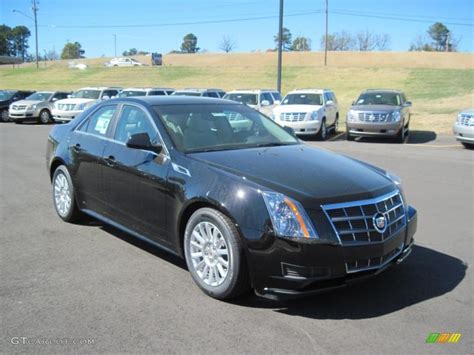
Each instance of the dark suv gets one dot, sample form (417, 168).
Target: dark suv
(9, 96)
(379, 113)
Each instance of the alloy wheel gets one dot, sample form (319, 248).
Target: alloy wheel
(210, 254)
(62, 194)
(44, 117)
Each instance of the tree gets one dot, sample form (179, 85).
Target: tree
(420, 44)
(5, 38)
(51, 55)
(227, 44)
(365, 41)
(285, 39)
(72, 51)
(382, 42)
(131, 51)
(301, 44)
(19, 40)
(439, 33)
(189, 44)
(339, 41)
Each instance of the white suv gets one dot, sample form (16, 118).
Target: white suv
(264, 100)
(67, 109)
(309, 112)
(145, 92)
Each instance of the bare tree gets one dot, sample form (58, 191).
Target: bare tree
(51, 55)
(227, 44)
(365, 41)
(339, 41)
(382, 42)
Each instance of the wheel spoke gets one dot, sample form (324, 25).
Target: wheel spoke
(198, 237)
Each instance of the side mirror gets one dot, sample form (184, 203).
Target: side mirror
(329, 102)
(290, 130)
(277, 102)
(69, 96)
(54, 99)
(408, 103)
(142, 141)
(265, 103)
(105, 97)
(353, 103)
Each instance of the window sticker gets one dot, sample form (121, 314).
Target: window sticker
(103, 122)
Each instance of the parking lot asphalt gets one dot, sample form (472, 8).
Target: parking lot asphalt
(60, 281)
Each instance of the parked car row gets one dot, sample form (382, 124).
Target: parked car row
(309, 112)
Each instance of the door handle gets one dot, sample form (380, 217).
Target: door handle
(110, 160)
(76, 147)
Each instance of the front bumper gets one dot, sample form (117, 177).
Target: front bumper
(22, 115)
(289, 269)
(59, 115)
(463, 133)
(368, 129)
(302, 128)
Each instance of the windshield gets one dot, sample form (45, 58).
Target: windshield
(303, 99)
(379, 98)
(86, 94)
(127, 93)
(187, 93)
(247, 99)
(195, 128)
(6, 95)
(40, 96)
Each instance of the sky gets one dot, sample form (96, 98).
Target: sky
(160, 25)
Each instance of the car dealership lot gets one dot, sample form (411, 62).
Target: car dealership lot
(91, 281)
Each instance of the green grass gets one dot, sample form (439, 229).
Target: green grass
(438, 93)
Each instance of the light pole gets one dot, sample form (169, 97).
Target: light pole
(280, 39)
(326, 38)
(35, 19)
(115, 45)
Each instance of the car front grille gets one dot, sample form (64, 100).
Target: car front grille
(66, 107)
(293, 116)
(467, 120)
(18, 107)
(374, 117)
(355, 223)
(372, 263)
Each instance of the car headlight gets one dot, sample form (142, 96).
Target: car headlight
(81, 106)
(398, 182)
(396, 116)
(351, 116)
(32, 107)
(315, 116)
(274, 116)
(289, 219)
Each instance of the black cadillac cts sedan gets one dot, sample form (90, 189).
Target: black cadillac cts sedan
(239, 197)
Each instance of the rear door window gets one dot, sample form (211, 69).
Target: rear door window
(98, 123)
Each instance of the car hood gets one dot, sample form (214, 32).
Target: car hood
(310, 175)
(468, 111)
(296, 108)
(74, 101)
(378, 108)
(27, 102)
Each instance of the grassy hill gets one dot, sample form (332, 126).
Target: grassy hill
(439, 84)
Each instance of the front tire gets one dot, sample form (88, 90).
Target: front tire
(468, 145)
(63, 196)
(323, 131)
(214, 254)
(44, 117)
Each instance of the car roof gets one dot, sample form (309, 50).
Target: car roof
(101, 88)
(147, 89)
(198, 89)
(384, 90)
(175, 100)
(251, 91)
(314, 91)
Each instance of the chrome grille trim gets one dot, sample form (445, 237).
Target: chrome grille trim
(466, 120)
(19, 107)
(293, 116)
(374, 117)
(66, 107)
(353, 221)
(377, 263)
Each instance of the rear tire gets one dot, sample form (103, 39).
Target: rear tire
(4, 115)
(64, 199)
(214, 254)
(468, 145)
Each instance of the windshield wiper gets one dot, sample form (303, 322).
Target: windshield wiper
(271, 144)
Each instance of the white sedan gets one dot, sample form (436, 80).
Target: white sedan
(123, 62)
